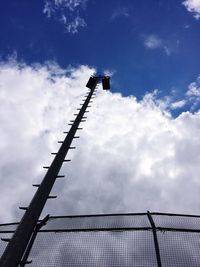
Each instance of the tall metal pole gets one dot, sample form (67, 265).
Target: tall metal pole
(17, 245)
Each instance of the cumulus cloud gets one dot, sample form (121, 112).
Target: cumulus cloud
(132, 156)
(24, 125)
(67, 12)
(152, 41)
(193, 6)
(167, 103)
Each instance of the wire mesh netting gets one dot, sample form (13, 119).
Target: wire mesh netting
(115, 240)
(87, 222)
(93, 249)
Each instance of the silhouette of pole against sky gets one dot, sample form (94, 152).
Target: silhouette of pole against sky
(18, 248)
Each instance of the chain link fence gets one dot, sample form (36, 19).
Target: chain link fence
(140, 239)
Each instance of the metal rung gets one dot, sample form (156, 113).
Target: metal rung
(36, 185)
(79, 128)
(78, 108)
(6, 239)
(87, 111)
(70, 124)
(76, 137)
(54, 153)
(25, 262)
(72, 147)
(65, 132)
(89, 106)
(46, 167)
(75, 114)
(52, 197)
(84, 117)
(66, 160)
(23, 208)
(60, 142)
(72, 121)
(42, 222)
(60, 176)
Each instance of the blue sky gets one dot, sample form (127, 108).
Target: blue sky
(148, 44)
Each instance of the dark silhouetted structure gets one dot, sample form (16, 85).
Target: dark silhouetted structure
(94, 80)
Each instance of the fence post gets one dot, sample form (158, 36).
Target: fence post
(155, 239)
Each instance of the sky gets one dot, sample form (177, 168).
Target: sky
(139, 148)
(147, 44)
(141, 140)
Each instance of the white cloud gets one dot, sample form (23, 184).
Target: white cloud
(178, 104)
(132, 155)
(120, 12)
(74, 25)
(67, 12)
(193, 94)
(193, 6)
(194, 89)
(152, 41)
(109, 72)
(48, 9)
(166, 103)
(167, 50)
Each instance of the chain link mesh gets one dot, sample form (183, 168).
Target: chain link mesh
(114, 240)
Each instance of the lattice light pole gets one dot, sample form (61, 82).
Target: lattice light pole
(18, 246)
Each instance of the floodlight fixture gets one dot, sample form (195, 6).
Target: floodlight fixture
(106, 83)
(93, 80)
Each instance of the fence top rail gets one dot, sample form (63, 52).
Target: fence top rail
(114, 215)
(98, 215)
(108, 229)
(175, 214)
(126, 214)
